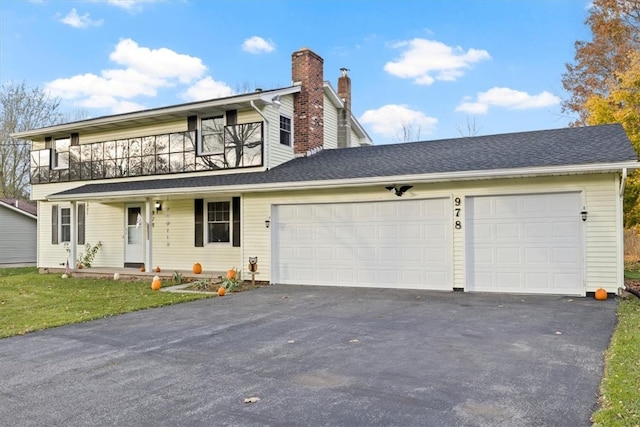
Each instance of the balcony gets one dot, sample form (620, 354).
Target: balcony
(239, 146)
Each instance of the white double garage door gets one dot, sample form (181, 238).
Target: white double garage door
(514, 243)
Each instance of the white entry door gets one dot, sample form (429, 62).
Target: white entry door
(134, 229)
(397, 244)
(529, 243)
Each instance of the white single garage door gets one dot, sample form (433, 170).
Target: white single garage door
(525, 244)
(399, 244)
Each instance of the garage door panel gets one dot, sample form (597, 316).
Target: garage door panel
(507, 255)
(525, 244)
(537, 256)
(568, 255)
(536, 230)
(507, 231)
(405, 244)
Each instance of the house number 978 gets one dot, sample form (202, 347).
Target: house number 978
(456, 213)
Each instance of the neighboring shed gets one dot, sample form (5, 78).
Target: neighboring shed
(18, 232)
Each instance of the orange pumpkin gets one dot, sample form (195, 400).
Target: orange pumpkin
(197, 268)
(601, 294)
(221, 291)
(156, 285)
(158, 269)
(142, 269)
(231, 274)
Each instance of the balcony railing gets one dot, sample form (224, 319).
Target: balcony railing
(240, 146)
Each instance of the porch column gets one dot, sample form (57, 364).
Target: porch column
(148, 237)
(73, 238)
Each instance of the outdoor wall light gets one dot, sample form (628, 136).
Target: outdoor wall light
(158, 206)
(583, 214)
(399, 191)
(267, 222)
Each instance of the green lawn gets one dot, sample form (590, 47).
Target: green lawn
(30, 301)
(620, 387)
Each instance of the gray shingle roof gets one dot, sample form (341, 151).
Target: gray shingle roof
(558, 147)
(21, 205)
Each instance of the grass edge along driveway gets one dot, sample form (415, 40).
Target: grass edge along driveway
(619, 402)
(30, 301)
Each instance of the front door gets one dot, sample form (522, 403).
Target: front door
(134, 234)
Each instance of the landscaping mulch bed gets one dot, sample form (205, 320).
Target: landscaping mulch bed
(633, 284)
(213, 285)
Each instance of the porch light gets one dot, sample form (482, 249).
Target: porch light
(158, 206)
(583, 214)
(267, 222)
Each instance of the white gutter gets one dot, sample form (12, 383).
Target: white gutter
(360, 182)
(268, 142)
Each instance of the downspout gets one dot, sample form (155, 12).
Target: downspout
(268, 138)
(623, 181)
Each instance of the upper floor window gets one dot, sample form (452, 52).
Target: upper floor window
(218, 222)
(285, 131)
(212, 135)
(60, 151)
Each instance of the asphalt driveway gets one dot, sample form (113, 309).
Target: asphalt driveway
(317, 356)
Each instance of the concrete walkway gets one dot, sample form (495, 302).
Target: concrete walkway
(317, 356)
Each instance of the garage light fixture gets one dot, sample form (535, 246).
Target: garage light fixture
(158, 206)
(267, 222)
(399, 191)
(584, 213)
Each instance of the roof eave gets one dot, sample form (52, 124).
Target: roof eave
(118, 119)
(360, 182)
(20, 211)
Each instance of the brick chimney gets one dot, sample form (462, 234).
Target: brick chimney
(308, 105)
(344, 115)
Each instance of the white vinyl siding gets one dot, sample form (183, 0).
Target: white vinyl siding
(127, 133)
(173, 241)
(330, 124)
(278, 153)
(248, 116)
(102, 223)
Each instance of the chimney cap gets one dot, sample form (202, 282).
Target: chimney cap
(344, 71)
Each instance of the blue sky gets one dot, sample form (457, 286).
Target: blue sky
(434, 66)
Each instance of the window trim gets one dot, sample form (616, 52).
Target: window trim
(229, 222)
(55, 153)
(62, 225)
(290, 144)
(200, 148)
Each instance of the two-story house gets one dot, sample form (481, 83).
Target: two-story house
(289, 176)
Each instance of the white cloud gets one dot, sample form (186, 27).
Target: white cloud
(507, 98)
(257, 44)
(207, 88)
(80, 21)
(144, 72)
(389, 120)
(129, 4)
(426, 61)
(160, 63)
